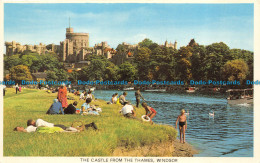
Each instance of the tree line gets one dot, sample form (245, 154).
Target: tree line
(151, 62)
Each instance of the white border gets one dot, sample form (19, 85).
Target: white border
(255, 159)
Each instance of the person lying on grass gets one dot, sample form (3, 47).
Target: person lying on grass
(43, 129)
(40, 123)
(56, 108)
(128, 110)
(150, 112)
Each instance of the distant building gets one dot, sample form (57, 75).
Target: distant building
(39, 76)
(127, 55)
(75, 46)
(16, 48)
(168, 45)
(74, 50)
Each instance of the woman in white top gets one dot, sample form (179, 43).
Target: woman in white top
(89, 95)
(81, 97)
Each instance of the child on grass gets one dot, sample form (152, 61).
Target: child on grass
(182, 124)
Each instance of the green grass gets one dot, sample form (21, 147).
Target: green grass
(114, 129)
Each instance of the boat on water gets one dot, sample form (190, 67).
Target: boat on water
(155, 90)
(190, 89)
(240, 96)
(92, 89)
(129, 89)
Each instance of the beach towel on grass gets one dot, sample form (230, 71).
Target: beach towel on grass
(49, 129)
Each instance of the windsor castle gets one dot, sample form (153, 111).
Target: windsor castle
(75, 48)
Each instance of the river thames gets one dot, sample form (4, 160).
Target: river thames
(228, 134)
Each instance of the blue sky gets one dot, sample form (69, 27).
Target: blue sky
(232, 24)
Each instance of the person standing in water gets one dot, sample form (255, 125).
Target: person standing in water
(182, 125)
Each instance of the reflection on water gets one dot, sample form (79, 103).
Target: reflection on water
(228, 134)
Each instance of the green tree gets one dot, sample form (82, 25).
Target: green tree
(20, 72)
(183, 67)
(30, 59)
(51, 76)
(121, 48)
(142, 59)
(198, 63)
(247, 56)
(49, 62)
(83, 74)
(145, 43)
(127, 72)
(57, 75)
(11, 61)
(162, 64)
(235, 70)
(111, 72)
(73, 77)
(217, 56)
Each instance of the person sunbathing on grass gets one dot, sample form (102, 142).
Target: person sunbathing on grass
(42, 123)
(42, 129)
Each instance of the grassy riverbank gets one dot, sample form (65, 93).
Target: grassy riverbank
(115, 132)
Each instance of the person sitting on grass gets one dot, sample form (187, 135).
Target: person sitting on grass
(112, 101)
(71, 109)
(128, 111)
(76, 93)
(90, 95)
(86, 109)
(86, 105)
(56, 108)
(122, 99)
(182, 125)
(115, 98)
(82, 96)
(150, 112)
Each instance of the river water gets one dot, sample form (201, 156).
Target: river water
(228, 134)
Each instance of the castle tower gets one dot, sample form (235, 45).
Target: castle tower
(166, 43)
(175, 44)
(73, 45)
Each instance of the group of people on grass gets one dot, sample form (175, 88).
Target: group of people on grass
(84, 95)
(60, 106)
(129, 112)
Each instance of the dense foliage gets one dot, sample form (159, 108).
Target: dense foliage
(152, 62)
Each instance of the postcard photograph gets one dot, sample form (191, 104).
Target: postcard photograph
(143, 81)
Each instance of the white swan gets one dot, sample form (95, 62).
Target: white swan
(212, 114)
(187, 114)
